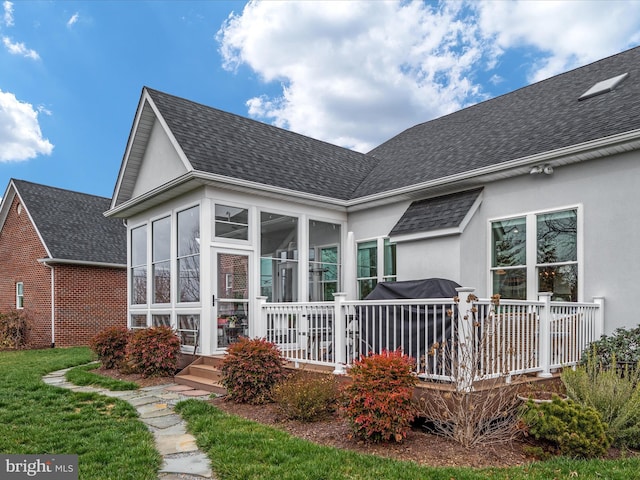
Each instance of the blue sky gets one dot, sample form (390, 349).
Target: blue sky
(353, 73)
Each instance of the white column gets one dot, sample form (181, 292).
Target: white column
(544, 334)
(339, 333)
(260, 318)
(464, 353)
(598, 327)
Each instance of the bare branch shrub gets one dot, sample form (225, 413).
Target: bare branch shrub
(14, 327)
(481, 406)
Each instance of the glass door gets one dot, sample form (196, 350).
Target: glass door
(231, 283)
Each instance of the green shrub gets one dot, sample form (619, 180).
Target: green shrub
(13, 329)
(306, 397)
(614, 394)
(623, 345)
(251, 368)
(110, 345)
(377, 402)
(154, 352)
(572, 429)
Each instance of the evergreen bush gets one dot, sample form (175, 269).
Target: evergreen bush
(110, 345)
(154, 351)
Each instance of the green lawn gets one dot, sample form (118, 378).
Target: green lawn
(241, 449)
(113, 444)
(38, 418)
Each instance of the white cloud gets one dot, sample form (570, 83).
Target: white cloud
(8, 13)
(73, 20)
(20, 135)
(569, 33)
(19, 48)
(355, 73)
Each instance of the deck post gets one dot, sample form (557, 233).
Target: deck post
(339, 333)
(598, 327)
(465, 353)
(544, 334)
(260, 322)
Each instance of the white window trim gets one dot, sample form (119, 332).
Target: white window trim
(232, 241)
(19, 296)
(531, 253)
(380, 252)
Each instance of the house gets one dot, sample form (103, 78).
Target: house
(62, 263)
(533, 191)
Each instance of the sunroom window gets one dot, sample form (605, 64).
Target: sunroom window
(189, 255)
(161, 260)
(324, 260)
(232, 223)
(139, 265)
(279, 257)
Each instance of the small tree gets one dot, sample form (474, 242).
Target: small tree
(481, 408)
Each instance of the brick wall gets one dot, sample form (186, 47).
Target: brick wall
(88, 299)
(20, 249)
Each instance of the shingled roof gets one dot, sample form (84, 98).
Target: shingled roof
(226, 144)
(539, 118)
(72, 224)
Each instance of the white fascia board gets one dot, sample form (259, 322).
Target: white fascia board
(65, 261)
(25, 208)
(5, 204)
(565, 155)
(412, 237)
(472, 211)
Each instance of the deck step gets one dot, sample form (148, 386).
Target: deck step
(206, 371)
(201, 383)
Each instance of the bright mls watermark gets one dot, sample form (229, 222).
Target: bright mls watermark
(50, 467)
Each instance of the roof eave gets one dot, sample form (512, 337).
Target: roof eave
(85, 263)
(581, 152)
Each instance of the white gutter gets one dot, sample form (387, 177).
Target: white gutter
(64, 261)
(53, 305)
(565, 155)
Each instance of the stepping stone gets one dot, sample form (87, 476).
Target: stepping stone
(171, 444)
(192, 464)
(195, 393)
(163, 422)
(136, 402)
(179, 388)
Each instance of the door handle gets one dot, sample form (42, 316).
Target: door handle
(213, 300)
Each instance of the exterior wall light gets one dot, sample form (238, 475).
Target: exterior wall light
(538, 169)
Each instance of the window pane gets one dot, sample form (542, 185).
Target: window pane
(557, 237)
(139, 285)
(562, 281)
(139, 246)
(232, 222)
(365, 287)
(189, 232)
(138, 321)
(189, 279)
(161, 320)
(161, 233)
(389, 258)
(367, 259)
(188, 329)
(279, 247)
(162, 282)
(510, 283)
(508, 238)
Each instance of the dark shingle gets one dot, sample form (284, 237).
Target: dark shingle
(438, 213)
(72, 224)
(541, 117)
(226, 144)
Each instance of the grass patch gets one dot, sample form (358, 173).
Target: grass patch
(36, 418)
(242, 449)
(83, 376)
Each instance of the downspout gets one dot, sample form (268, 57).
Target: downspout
(53, 306)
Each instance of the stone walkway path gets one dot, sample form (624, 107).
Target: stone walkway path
(181, 457)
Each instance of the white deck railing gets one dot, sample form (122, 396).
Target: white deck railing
(460, 341)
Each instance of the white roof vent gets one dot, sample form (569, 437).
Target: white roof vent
(603, 86)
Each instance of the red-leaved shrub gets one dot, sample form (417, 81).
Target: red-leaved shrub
(110, 345)
(251, 368)
(154, 352)
(377, 403)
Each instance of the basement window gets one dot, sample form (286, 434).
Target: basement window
(604, 86)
